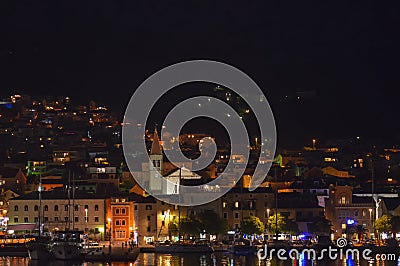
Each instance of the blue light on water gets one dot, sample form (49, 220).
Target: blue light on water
(350, 262)
(302, 260)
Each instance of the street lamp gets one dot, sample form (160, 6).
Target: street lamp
(86, 228)
(268, 210)
(109, 221)
(370, 218)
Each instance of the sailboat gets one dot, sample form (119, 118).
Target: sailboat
(39, 249)
(66, 245)
(179, 247)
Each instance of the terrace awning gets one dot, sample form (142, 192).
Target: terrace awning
(20, 227)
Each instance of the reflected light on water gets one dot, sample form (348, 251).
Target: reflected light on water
(216, 259)
(350, 262)
(165, 260)
(302, 260)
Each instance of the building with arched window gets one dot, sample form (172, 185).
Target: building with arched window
(349, 214)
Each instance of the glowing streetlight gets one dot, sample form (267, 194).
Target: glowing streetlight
(86, 227)
(370, 218)
(109, 221)
(268, 210)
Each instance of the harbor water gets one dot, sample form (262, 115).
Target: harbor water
(216, 259)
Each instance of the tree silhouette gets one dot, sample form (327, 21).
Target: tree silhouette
(252, 225)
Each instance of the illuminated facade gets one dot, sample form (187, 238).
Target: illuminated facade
(350, 215)
(86, 213)
(121, 217)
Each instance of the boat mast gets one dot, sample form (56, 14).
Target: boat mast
(69, 201)
(40, 204)
(73, 200)
(276, 205)
(179, 207)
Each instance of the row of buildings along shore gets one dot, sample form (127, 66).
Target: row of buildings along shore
(75, 153)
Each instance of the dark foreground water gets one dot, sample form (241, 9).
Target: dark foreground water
(217, 259)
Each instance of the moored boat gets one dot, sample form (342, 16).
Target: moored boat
(242, 247)
(66, 245)
(39, 249)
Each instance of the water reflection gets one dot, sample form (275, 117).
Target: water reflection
(216, 259)
(229, 260)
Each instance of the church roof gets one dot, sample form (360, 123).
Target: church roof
(155, 145)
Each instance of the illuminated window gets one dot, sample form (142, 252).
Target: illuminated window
(343, 200)
(224, 204)
(236, 204)
(343, 226)
(101, 170)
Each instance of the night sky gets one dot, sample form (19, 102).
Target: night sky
(347, 53)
